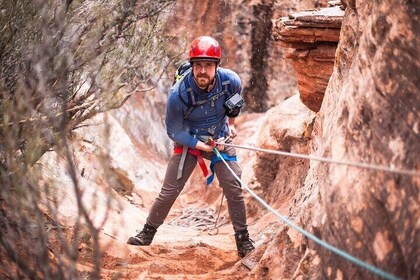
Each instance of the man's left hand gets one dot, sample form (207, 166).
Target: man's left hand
(232, 131)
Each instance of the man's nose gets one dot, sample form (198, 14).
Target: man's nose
(202, 70)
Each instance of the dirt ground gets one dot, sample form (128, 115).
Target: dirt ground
(176, 253)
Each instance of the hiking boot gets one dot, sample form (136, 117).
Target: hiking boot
(243, 243)
(144, 237)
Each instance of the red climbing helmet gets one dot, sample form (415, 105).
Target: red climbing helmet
(205, 48)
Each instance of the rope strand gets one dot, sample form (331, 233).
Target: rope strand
(321, 242)
(329, 160)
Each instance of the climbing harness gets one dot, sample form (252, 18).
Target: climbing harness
(184, 150)
(321, 242)
(215, 159)
(330, 160)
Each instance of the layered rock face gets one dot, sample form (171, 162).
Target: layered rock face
(286, 128)
(370, 113)
(313, 36)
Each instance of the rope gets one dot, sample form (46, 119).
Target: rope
(329, 160)
(200, 219)
(323, 243)
(216, 227)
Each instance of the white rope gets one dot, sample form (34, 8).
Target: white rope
(317, 240)
(329, 160)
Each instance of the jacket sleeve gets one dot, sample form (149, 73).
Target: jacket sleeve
(175, 126)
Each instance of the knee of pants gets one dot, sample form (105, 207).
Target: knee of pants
(233, 194)
(171, 190)
(230, 185)
(225, 175)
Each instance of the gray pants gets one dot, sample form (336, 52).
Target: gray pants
(172, 188)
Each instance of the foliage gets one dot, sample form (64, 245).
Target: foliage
(61, 63)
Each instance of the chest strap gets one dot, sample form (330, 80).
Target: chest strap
(212, 99)
(184, 150)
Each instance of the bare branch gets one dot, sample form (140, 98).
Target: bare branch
(62, 63)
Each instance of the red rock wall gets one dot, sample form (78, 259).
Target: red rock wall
(370, 114)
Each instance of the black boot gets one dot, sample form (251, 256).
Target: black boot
(144, 238)
(243, 243)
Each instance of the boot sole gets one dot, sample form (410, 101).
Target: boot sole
(136, 242)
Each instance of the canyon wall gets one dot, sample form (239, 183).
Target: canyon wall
(370, 113)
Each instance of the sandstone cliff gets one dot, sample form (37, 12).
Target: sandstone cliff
(372, 104)
(370, 113)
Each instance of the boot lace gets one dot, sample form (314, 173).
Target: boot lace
(247, 244)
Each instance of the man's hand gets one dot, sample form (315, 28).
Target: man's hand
(203, 147)
(220, 147)
(207, 148)
(232, 131)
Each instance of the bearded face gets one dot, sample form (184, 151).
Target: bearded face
(204, 72)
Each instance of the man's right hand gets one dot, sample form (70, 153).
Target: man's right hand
(207, 148)
(203, 147)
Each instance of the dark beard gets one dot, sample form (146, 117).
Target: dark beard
(202, 85)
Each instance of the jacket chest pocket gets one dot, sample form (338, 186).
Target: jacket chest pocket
(204, 112)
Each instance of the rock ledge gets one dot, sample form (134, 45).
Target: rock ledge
(314, 36)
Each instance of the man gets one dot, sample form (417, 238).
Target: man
(203, 104)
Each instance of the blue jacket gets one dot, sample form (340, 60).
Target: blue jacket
(205, 120)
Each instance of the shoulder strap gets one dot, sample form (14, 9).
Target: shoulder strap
(179, 87)
(192, 105)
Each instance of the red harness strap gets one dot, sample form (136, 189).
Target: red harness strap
(200, 159)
